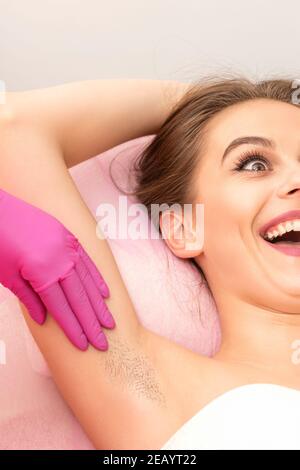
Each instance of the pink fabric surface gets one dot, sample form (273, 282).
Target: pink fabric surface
(166, 291)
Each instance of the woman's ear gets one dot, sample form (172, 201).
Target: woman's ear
(179, 234)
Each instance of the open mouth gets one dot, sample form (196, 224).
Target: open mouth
(283, 232)
(288, 238)
(284, 238)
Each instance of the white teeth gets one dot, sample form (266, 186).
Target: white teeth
(289, 226)
(296, 224)
(283, 228)
(275, 233)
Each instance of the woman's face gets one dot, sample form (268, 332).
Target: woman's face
(239, 198)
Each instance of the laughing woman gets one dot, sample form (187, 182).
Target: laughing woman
(232, 145)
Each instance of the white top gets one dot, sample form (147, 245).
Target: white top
(254, 416)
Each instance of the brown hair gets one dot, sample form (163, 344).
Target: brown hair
(166, 168)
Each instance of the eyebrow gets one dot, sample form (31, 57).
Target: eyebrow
(255, 140)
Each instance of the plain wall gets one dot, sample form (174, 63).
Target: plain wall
(47, 42)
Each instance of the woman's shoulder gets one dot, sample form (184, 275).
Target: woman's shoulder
(221, 405)
(193, 382)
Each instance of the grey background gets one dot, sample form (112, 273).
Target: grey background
(47, 42)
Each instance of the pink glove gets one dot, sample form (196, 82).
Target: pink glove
(45, 266)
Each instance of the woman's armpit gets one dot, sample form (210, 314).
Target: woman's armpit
(127, 366)
(119, 396)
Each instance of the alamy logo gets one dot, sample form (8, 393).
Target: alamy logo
(296, 354)
(2, 92)
(128, 222)
(296, 92)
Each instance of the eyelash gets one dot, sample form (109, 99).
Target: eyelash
(250, 156)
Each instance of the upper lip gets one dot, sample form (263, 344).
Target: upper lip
(294, 214)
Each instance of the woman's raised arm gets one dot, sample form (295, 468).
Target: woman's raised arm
(124, 397)
(92, 116)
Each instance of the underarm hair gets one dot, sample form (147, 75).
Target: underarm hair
(124, 365)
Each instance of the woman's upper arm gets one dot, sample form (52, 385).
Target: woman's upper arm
(119, 396)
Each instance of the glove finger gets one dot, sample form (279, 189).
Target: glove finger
(98, 279)
(78, 299)
(57, 304)
(30, 299)
(100, 307)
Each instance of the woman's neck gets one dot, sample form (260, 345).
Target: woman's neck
(266, 341)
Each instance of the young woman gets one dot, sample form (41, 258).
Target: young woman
(232, 145)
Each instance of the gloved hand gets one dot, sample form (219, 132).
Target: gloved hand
(46, 267)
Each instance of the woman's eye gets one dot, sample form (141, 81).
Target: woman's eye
(256, 165)
(253, 164)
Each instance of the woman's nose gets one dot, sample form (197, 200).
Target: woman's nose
(291, 184)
